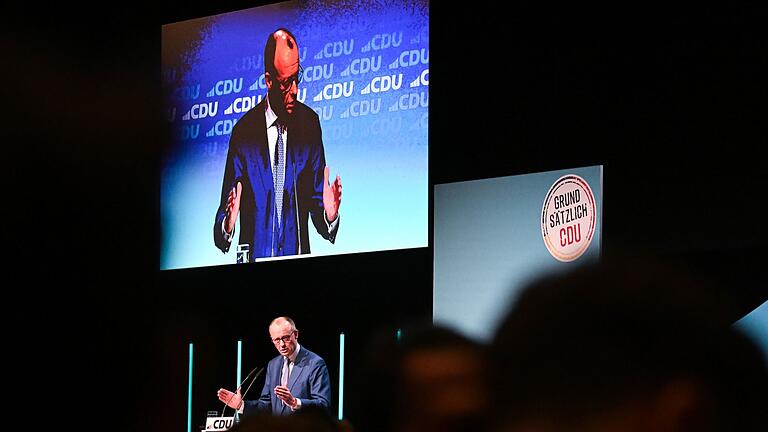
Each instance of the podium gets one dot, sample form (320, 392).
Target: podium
(218, 424)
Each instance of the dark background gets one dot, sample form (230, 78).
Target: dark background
(670, 99)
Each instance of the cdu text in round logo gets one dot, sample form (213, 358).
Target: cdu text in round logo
(568, 218)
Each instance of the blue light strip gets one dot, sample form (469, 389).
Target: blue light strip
(341, 376)
(189, 391)
(239, 362)
(399, 334)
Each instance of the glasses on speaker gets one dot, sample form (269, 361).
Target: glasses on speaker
(284, 339)
(286, 84)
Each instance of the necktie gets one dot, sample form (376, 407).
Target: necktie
(278, 175)
(286, 372)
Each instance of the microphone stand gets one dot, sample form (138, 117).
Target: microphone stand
(242, 398)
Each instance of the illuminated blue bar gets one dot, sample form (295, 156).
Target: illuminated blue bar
(239, 362)
(341, 376)
(189, 391)
(399, 334)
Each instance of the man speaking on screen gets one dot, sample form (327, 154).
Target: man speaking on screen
(275, 176)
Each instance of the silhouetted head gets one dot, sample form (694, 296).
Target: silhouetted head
(627, 346)
(311, 420)
(431, 379)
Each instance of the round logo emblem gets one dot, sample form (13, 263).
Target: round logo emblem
(568, 218)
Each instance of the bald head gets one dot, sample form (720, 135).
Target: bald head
(280, 50)
(281, 71)
(286, 50)
(281, 322)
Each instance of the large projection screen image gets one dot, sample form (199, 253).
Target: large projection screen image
(319, 150)
(494, 236)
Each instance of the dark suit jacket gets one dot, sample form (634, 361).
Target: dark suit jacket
(248, 161)
(309, 381)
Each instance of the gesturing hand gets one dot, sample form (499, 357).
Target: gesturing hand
(233, 207)
(331, 196)
(232, 400)
(285, 395)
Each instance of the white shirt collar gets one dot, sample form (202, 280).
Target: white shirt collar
(295, 354)
(270, 115)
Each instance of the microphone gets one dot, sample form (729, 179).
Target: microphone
(242, 397)
(296, 199)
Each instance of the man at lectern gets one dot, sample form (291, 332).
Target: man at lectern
(295, 379)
